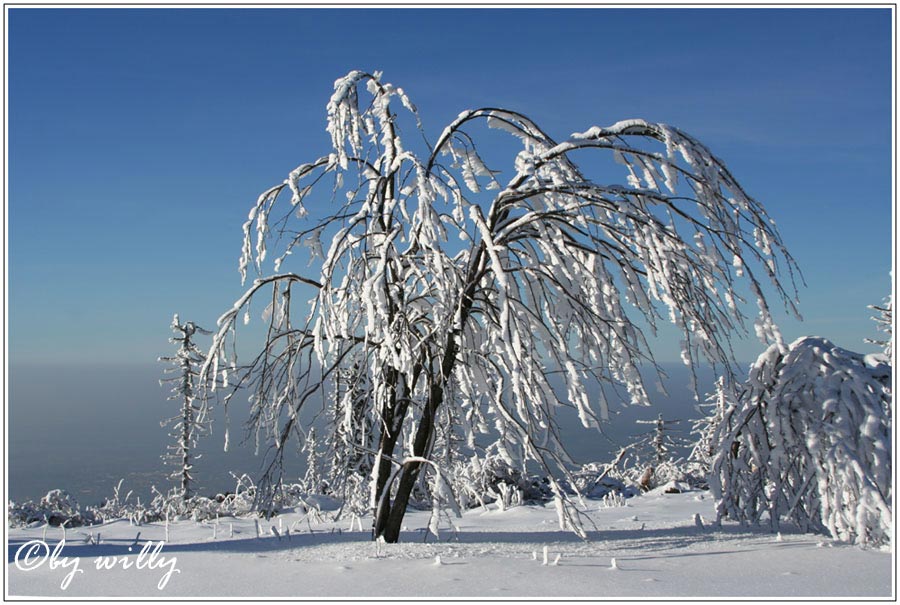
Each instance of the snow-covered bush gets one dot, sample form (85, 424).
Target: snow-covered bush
(21, 514)
(118, 506)
(809, 441)
(58, 507)
(481, 480)
(60, 501)
(678, 470)
(592, 481)
(599, 479)
(173, 505)
(242, 501)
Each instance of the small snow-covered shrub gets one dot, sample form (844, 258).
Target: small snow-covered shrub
(23, 513)
(240, 502)
(599, 479)
(354, 495)
(173, 505)
(612, 500)
(679, 469)
(810, 441)
(60, 501)
(58, 507)
(482, 480)
(118, 506)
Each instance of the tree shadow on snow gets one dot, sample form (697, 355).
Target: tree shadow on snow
(619, 540)
(115, 547)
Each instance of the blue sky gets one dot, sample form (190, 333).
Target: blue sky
(138, 139)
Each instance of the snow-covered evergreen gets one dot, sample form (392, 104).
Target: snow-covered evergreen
(653, 457)
(352, 438)
(809, 441)
(706, 429)
(193, 419)
(453, 284)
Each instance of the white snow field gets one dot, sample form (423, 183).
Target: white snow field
(653, 547)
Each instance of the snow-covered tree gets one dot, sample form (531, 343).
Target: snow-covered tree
(193, 419)
(653, 459)
(312, 480)
(652, 454)
(885, 321)
(456, 284)
(717, 406)
(658, 444)
(810, 441)
(352, 437)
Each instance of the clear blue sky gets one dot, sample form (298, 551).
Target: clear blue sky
(138, 139)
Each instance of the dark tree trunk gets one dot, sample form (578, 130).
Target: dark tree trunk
(389, 517)
(393, 419)
(421, 445)
(187, 423)
(410, 472)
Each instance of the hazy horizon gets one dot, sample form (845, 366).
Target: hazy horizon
(92, 425)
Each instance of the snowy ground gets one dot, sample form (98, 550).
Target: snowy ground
(658, 550)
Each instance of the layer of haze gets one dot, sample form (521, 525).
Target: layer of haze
(113, 432)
